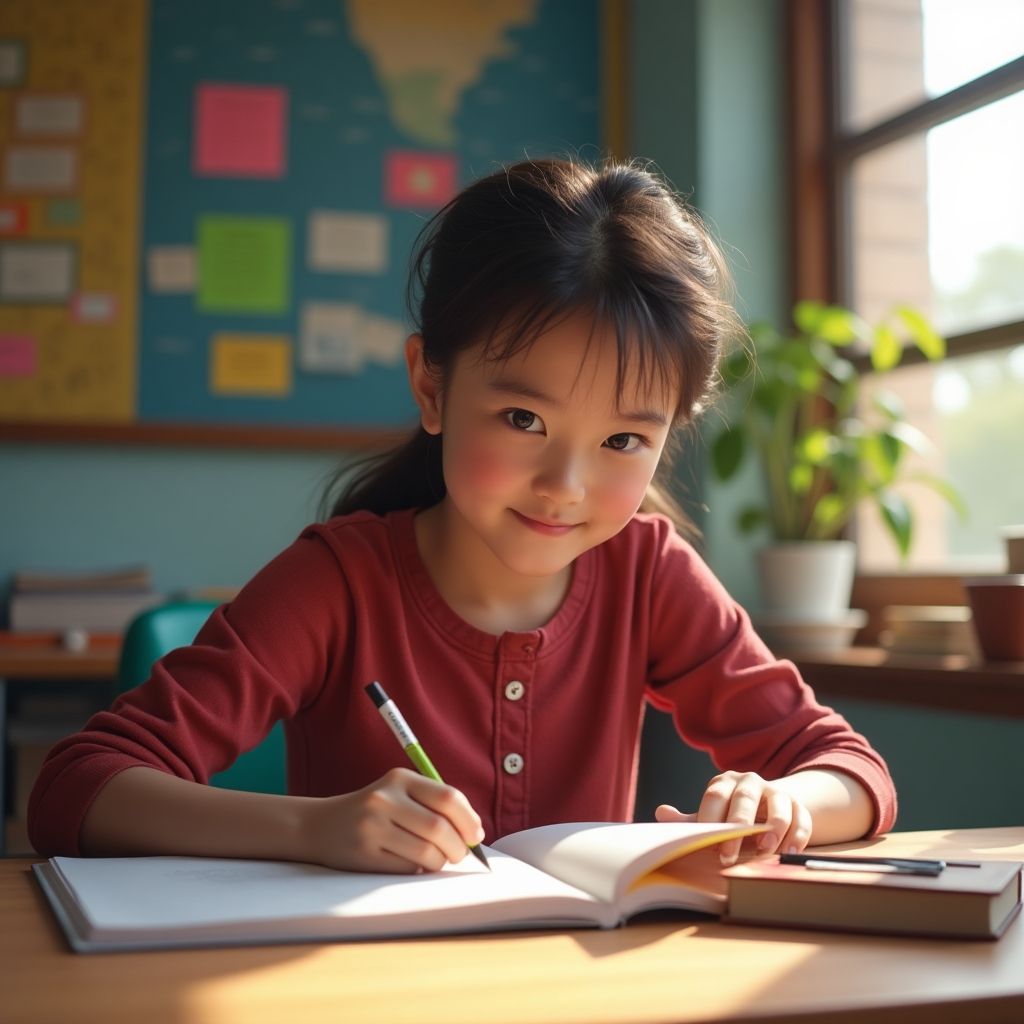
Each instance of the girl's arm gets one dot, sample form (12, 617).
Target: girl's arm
(402, 823)
(815, 805)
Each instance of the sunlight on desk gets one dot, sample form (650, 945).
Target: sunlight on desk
(578, 977)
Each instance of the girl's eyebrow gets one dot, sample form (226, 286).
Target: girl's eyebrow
(520, 389)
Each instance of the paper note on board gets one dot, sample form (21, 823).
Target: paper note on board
(355, 243)
(419, 181)
(240, 131)
(49, 115)
(244, 264)
(40, 169)
(383, 339)
(13, 218)
(251, 365)
(94, 308)
(13, 62)
(329, 340)
(172, 268)
(19, 355)
(341, 337)
(37, 271)
(63, 212)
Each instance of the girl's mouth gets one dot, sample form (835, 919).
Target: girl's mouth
(545, 528)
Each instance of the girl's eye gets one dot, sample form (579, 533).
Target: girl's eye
(624, 442)
(523, 419)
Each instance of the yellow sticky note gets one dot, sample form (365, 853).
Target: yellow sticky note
(251, 364)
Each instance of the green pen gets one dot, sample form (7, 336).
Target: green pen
(390, 713)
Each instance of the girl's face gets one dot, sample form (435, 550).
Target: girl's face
(544, 458)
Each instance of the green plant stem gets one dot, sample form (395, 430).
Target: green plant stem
(776, 457)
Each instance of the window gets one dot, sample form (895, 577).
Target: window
(924, 142)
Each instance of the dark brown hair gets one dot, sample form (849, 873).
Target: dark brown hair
(535, 242)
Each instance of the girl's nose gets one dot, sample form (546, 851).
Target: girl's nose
(561, 479)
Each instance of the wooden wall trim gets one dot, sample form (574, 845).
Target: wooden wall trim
(807, 27)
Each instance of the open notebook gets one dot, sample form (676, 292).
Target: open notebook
(570, 875)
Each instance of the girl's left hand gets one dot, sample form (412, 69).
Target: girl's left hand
(744, 798)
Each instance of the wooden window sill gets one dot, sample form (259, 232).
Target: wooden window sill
(952, 682)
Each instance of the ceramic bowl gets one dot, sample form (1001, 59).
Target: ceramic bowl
(786, 632)
(997, 605)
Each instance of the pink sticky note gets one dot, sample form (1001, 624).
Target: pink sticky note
(419, 180)
(18, 355)
(240, 131)
(13, 218)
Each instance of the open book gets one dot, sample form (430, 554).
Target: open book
(572, 876)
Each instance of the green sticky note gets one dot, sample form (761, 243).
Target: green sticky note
(244, 264)
(63, 212)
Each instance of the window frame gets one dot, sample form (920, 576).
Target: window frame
(820, 153)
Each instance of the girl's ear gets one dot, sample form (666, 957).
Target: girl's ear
(426, 388)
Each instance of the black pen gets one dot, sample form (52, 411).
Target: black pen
(390, 713)
(904, 865)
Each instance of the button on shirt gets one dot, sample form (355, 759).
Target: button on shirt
(534, 727)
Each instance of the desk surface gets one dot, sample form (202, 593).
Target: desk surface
(684, 971)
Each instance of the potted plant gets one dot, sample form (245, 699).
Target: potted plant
(794, 403)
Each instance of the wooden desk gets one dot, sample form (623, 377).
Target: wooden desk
(44, 665)
(665, 971)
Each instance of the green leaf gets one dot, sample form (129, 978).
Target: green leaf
(943, 488)
(751, 518)
(835, 365)
(801, 476)
(888, 404)
(763, 334)
(807, 315)
(884, 452)
(736, 367)
(886, 350)
(831, 512)
(912, 437)
(846, 396)
(837, 326)
(927, 339)
(769, 396)
(816, 446)
(727, 452)
(897, 517)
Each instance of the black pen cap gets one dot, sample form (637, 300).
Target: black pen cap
(377, 694)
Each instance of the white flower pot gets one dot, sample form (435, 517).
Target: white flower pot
(807, 580)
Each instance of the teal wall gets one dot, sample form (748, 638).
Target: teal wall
(708, 111)
(198, 517)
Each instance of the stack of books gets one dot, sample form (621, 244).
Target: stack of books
(102, 601)
(927, 629)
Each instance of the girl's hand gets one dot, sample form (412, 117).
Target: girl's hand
(744, 798)
(403, 823)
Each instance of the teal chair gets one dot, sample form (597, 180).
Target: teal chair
(161, 629)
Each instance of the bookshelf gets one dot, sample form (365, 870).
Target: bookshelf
(42, 675)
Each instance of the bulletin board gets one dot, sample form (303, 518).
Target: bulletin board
(207, 209)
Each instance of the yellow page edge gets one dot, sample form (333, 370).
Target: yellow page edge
(653, 874)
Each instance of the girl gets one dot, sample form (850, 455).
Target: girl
(495, 575)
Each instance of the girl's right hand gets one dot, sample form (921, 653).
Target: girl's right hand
(402, 824)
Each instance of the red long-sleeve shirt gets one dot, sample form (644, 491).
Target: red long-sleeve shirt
(534, 727)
